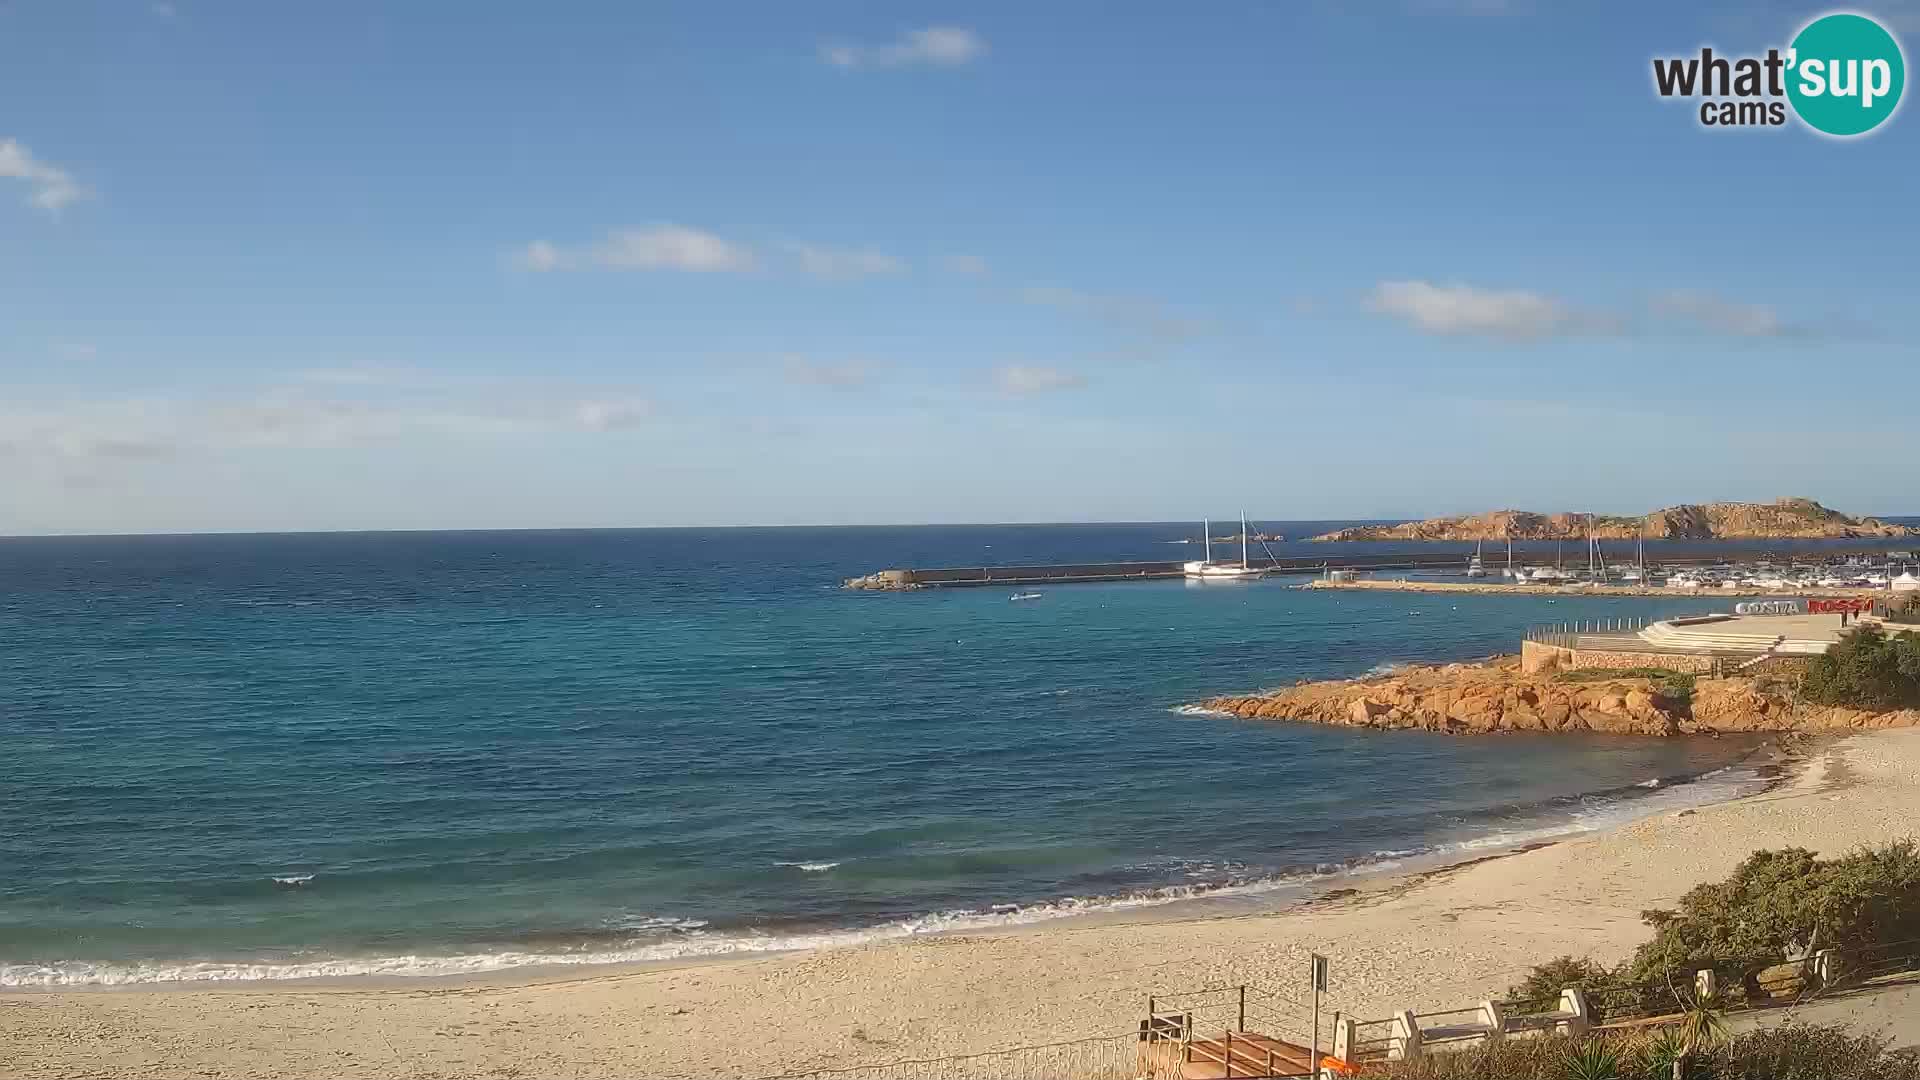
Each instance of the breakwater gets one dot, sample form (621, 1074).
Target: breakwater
(1061, 573)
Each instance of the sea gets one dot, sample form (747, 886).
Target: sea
(312, 756)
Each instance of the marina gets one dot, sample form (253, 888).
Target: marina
(1703, 569)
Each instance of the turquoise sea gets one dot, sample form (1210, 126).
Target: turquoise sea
(287, 756)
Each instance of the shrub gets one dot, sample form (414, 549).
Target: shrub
(1786, 1052)
(1866, 669)
(1548, 979)
(1792, 1051)
(1780, 905)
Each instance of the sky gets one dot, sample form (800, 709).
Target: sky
(366, 265)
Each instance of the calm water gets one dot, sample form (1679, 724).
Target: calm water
(283, 756)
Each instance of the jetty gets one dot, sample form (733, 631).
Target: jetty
(1062, 573)
(1352, 566)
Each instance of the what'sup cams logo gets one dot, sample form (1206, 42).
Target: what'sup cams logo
(1842, 76)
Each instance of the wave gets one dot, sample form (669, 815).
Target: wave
(1198, 710)
(293, 881)
(639, 938)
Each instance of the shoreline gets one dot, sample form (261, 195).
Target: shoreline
(1437, 937)
(1770, 762)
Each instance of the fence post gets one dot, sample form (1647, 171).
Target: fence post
(1405, 1041)
(1822, 967)
(1573, 1002)
(1242, 1025)
(1495, 1018)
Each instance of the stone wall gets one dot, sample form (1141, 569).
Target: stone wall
(1537, 657)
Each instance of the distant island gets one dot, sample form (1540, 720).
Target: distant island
(1782, 519)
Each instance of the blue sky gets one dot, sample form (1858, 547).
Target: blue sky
(450, 265)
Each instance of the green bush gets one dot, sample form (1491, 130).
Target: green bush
(1793, 1052)
(1675, 686)
(1787, 1052)
(1548, 979)
(1779, 905)
(1866, 669)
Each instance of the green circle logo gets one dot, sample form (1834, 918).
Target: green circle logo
(1845, 74)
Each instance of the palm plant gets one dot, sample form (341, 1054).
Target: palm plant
(1592, 1059)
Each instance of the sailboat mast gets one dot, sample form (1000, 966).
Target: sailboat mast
(1206, 530)
(1243, 540)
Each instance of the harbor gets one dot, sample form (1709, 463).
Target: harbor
(1694, 570)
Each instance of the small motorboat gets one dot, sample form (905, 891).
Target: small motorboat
(1025, 596)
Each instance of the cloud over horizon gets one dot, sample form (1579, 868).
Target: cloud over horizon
(823, 262)
(663, 246)
(53, 187)
(1461, 310)
(1720, 315)
(933, 46)
(1022, 380)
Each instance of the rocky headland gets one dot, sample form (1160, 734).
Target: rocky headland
(1496, 696)
(1783, 519)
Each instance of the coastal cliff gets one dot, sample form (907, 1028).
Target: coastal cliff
(1782, 519)
(1478, 699)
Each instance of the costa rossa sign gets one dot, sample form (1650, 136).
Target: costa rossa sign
(1768, 607)
(1855, 605)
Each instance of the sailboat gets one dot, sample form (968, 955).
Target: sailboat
(1474, 566)
(1208, 570)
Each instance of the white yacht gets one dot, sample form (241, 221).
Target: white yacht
(1208, 570)
(1474, 566)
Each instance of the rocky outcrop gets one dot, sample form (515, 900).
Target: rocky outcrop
(1476, 699)
(1781, 519)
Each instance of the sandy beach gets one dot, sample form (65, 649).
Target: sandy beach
(1444, 939)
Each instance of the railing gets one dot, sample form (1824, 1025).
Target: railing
(1565, 634)
(1242, 1031)
(1373, 1040)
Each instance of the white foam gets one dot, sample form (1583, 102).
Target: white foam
(293, 880)
(691, 943)
(690, 938)
(810, 867)
(1197, 710)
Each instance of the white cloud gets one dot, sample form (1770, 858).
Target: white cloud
(1721, 316)
(1463, 310)
(844, 376)
(613, 414)
(1022, 379)
(540, 257)
(77, 436)
(844, 264)
(964, 264)
(934, 46)
(656, 247)
(1135, 314)
(52, 187)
